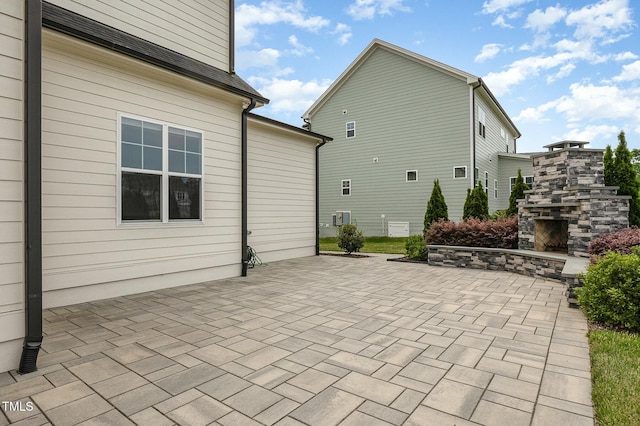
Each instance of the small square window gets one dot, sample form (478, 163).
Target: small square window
(460, 172)
(412, 175)
(346, 187)
(351, 129)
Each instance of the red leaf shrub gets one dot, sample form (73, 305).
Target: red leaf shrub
(619, 241)
(472, 232)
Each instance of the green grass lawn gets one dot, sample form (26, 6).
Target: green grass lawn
(615, 372)
(393, 245)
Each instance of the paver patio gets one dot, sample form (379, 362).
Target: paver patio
(317, 341)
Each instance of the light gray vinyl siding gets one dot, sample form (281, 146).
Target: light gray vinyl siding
(11, 183)
(281, 198)
(487, 149)
(408, 116)
(509, 166)
(196, 28)
(86, 255)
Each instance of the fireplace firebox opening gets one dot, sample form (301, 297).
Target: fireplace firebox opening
(551, 235)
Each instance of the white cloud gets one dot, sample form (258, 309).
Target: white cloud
(368, 9)
(591, 103)
(488, 51)
(625, 56)
(542, 21)
(601, 20)
(259, 58)
(500, 22)
(493, 6)
(629, 72)
(591, 132)
(343, 31)
(564, 71)
(249, 17)
(289, 96)
(298, 48)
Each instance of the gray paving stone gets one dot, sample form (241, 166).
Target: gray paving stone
(425, 416)
(398, 354)
(328, 408)
(313, 380)
(190, 378)
(461, 355)
(355, 362)
(454, 398)
(469, 376)
(358, 418)
(277, 411)
(544, 416)
(214, 354)
(513, 387)
(566, 387)
(24, 388)
(489, 413)
(64, 394)
(110, 418)
(370, 388)
(201, 411)
(138, 399)
(252, 400)
(79, 410)
(382, 412)
(97, 370)
(262, 357)
(269, 377)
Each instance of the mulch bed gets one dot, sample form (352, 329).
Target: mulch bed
(352, 255)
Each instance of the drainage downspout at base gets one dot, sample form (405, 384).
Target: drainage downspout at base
(32, 186)
(244, 165)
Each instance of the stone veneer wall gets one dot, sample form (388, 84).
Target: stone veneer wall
(530, 263)
(569, 185)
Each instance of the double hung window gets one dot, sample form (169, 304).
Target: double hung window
(160, 177)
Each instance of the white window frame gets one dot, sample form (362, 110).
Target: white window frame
(407, 176)
(512, 181)
(343, 187)
(347, 129)
(164, 173)
(495, 189)
(460, 167)
(482, 122)
(486, 182)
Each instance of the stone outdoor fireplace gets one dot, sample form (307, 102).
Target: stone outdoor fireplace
(569, 205)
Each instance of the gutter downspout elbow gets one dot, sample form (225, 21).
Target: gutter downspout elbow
(244, 166)
(32, 186)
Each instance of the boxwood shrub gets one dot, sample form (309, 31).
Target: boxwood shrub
(611, 290)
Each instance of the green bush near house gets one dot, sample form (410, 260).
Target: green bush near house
(476, 204)
(611, 291)
(436, 207)
(416, 248)
(350, 238)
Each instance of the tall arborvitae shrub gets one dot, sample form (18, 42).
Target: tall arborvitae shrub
(476, 204)
(517, 193)
(625, 176)
(436, 206)
(609, 169)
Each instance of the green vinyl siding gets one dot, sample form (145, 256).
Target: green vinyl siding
(410, 117)
(509, 165)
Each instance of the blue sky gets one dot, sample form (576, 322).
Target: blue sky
(561, 69)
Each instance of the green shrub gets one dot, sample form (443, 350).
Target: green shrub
(517, 193)
(436, 206)
(476, 204)
(611, 290)
(350, 239)
(416, 248)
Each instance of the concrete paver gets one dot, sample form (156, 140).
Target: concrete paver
(316, 341)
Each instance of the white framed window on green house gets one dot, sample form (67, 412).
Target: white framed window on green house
(346, 187)
(411, 176)
(527, 179)
(482, 121)
(495, 189)
(160, 171)
(460, 172)
(486, 183)
(350, 129)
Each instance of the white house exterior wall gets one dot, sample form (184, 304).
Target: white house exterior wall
(86, 254)
(11, 183)
(281, 196)
(194, 28)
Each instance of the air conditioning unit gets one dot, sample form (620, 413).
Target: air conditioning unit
(340, 218)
